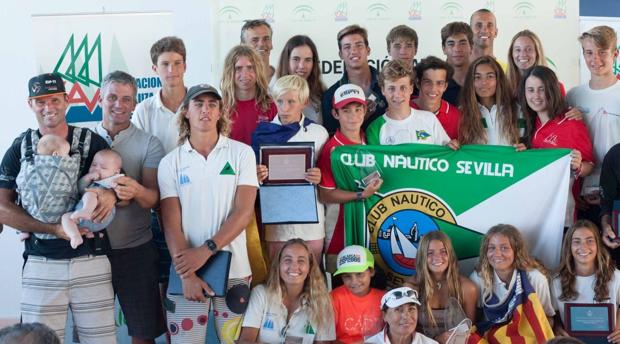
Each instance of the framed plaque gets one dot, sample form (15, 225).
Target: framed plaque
(286, 204)
(589, 320)
(287, 163)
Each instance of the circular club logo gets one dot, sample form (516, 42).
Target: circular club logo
(397, 223)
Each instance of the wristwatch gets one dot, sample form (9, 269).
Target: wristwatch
(211, 245)
(359, 196)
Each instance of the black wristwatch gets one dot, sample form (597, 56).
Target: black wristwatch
(211, 245)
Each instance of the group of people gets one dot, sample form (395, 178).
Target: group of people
(174, 179)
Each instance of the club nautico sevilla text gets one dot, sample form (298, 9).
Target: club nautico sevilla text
(481, 168)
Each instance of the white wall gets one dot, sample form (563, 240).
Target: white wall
(191, 21)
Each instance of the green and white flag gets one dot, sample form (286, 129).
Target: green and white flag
(464, 193)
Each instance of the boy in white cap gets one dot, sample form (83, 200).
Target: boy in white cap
(349, 108)
(400, 312)
(356, 306)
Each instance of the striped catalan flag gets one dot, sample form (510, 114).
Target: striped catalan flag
(520, 319)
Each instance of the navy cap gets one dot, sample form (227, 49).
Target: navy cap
(45, 85)
(197, 90)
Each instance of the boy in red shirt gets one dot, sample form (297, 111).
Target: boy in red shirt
(349, 108)
(357, 307)
(432, 77)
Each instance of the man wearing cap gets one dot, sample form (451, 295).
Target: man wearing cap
(353, 49)
(55, 276)
(134, 256)
(349, 110)
(357, 308)
(400, 312)
(207, 188)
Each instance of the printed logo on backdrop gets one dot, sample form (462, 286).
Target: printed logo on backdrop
(268, 13)
(81, 66)
(524, 9)
(341, 12)
(378, 11)
(230, 14)
(304, 13)
(415, 10)
(452, 10)
(559, 12)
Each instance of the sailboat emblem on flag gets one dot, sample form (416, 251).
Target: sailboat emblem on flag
(398, 239)
(403, 249)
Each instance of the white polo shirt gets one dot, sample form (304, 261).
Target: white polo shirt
(492, 123)
(270, 320)
(308, 231)
(206, 189)
(153, 117)
(419, 127)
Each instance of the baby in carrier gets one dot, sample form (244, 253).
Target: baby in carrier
(61, 169)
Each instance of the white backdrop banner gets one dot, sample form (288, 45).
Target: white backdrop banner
(84, 48)
(555, 21)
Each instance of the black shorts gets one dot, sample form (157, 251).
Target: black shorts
(135, 281)
(164, 255)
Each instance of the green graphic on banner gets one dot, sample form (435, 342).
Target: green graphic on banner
(78, 66)
(377, 9)
(427, 188)
(523, 9)
(229, 12)
(452, 9)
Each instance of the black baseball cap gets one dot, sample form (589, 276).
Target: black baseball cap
(45, 85)
(197, 90)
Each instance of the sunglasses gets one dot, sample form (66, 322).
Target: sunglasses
(396, 295)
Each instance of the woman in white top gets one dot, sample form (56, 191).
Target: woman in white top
(587, 275)
(400, 312)
(503, 256)
(489, 113)
(294, 305)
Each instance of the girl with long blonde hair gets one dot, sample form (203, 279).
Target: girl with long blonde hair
(443, 291)
(293, 303)
(503, 253)
(587, 274)
(525, 51)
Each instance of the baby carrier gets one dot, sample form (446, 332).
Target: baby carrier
(47, 185)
